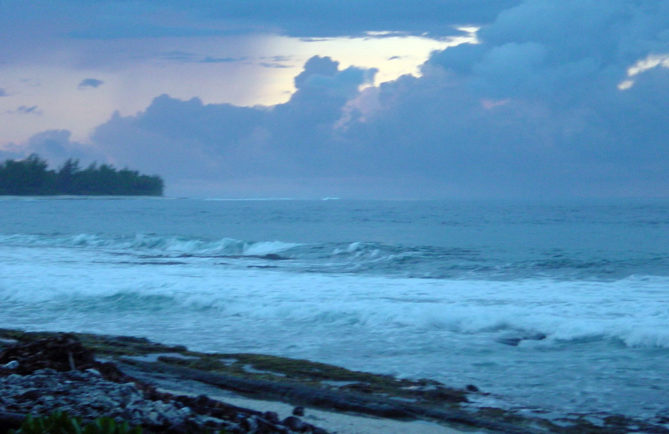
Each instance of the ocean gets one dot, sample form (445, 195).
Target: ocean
(553, 308)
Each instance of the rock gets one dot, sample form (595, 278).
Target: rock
(185, 410)
(63, 352)
(58, 373)
(295, 424)
(30, 394)
(271, 416)
(10, 420)
(153, 418)
(250, 424)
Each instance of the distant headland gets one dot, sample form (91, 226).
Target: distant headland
(31, 177)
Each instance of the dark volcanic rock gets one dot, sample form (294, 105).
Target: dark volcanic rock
(58, 373)
(271, 416)
(61, 353)
(295, 423)
(298, 411)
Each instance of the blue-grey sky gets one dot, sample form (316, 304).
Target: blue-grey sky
(355, 98)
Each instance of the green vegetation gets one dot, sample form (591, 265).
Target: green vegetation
(62, 423)
(31, 176)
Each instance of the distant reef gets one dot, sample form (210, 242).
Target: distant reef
(31, 177)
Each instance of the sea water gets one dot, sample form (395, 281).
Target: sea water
(555, 308)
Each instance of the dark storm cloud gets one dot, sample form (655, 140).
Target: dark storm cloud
(178, 18)
(312, 18)
(534, 110)
(90, 82)
(186, 139)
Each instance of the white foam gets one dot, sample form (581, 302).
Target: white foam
(148, 243)
(436, 328)
(632, 310)
(268, 247)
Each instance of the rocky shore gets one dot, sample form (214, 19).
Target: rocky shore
(170, 389)
(58, 373)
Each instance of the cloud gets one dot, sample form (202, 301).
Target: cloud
(278, 58)
(55, 146)
(11, 153)
(533, 110)
(115, 30)
(225, 143)
(179, 56)
(319, 18)
(3, 92)
(190, 57)
(274, 65)
(210, 59)
(140, 19)
(27, 110)
(90, 82)
(643, 65)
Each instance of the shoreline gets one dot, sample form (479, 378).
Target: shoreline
(332, 398)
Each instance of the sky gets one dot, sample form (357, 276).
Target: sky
(349, 98)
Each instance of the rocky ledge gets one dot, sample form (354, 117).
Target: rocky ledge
(128, 379)
(59, 374)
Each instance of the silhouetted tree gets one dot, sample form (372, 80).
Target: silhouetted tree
(65, 176)
(31, 177)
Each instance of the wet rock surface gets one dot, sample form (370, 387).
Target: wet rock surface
(61, 353)
(42, 372)
(59, 374)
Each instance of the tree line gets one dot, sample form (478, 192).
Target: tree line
(31, 176)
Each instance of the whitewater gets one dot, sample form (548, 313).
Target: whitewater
(552, 308)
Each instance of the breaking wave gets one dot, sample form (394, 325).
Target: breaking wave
(354, 257)
(155, 244)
